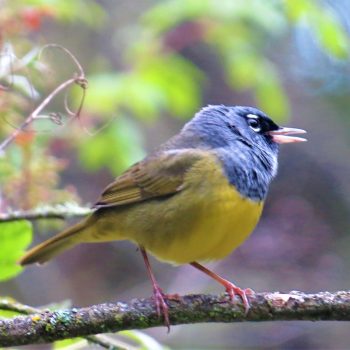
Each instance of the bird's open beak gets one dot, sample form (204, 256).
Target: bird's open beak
(282, 135)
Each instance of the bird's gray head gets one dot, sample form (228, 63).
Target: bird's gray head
(238, 126)
(245, 140)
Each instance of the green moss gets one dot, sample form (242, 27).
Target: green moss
(118, 319)
(64, 317)
(49, 327)
(143, 321)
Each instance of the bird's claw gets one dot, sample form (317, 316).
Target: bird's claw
(161, 306)
(233, 290)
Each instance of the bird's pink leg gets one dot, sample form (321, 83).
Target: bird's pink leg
(231, 289)
(158, 295)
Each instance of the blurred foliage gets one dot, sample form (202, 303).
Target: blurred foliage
(157, 78)
(15, 237)
(144, 341)
(123, 138)
(238, 34)
(151, 87)
(156, 75)
(18, 18)
(21, 172)
(7, 313)
(324, 23)
(140, 340)
(70, 343)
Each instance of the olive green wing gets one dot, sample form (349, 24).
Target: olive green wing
(159, 175)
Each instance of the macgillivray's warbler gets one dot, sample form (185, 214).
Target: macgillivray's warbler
(195, 198)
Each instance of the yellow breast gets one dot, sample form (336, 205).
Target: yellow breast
(209, 229)
(225, 224)
(205, 221)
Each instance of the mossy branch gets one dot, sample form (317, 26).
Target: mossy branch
(48, 326)
(12, 305)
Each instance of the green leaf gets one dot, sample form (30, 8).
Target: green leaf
(86, 11)
(7, 314)
(331, 35)
(157, 83)
(141, 97)
(249, 71)
(296, 8)
(110, 92)
(178, 80)
(243, 70)
(324, 23)
(270, 95)
(15, 237)
(146, 342)
(67, 343)
(102, 96)
(181, 10)
(115, 147)
(263, 13)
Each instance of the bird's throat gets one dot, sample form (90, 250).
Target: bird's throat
(249, 173)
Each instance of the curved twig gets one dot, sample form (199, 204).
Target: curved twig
(78, 79)
(74, 59)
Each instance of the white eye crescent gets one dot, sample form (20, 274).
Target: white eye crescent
(253, 122)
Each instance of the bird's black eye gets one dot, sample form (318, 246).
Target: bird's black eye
(253, 122)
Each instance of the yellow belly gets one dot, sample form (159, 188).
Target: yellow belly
(208, 231)
(207, 220)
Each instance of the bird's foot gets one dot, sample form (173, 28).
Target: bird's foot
(233, 290)
(175, 297)
(161, 306)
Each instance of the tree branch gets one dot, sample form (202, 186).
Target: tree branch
(68, 210)
(102, 341)
(49, 326)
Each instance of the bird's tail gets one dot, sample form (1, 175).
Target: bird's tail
(55, 245)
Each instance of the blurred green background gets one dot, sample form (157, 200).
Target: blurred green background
(151, 65)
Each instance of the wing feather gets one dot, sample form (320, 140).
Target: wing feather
(156, 176)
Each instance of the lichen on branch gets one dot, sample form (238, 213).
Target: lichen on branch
(48, 326)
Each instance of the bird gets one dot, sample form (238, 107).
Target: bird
(194, 199)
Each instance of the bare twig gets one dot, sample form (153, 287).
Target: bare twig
(48, 326)
(78, 79)
(65, 211)
(74, 59)
(81, 74)
(35, 113)
(11, 305)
